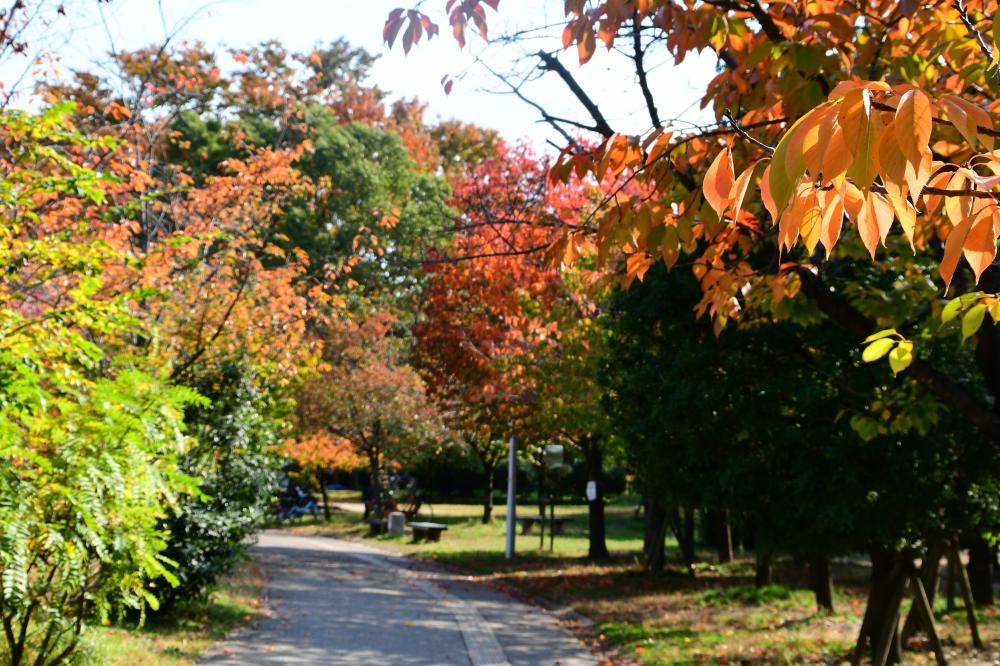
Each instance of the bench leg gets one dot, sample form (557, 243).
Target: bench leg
(433, 535)
(526, 528)
(418, 535)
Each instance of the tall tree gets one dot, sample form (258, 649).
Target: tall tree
(486, 302)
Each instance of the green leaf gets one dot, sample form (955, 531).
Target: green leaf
(901, 357)
(881, 334)
(877, 349)
(951, 310)
(972, 320)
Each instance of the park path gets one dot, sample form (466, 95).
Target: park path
(340, 602)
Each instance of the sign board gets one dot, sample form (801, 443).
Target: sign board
(591, 491)
(552, 455)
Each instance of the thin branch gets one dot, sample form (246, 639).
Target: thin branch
(640, 70)
(739, 130)
(485, 255)
(987, 50)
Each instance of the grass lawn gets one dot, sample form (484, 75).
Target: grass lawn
(178, 639)
(718, 617)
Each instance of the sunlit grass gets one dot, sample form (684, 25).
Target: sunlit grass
(182, 636)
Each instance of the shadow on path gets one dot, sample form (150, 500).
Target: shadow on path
(336, 602)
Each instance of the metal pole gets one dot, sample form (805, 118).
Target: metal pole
(511, 492)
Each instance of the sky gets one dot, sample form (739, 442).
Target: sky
(90, 29)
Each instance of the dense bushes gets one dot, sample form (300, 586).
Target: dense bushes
(234, 461)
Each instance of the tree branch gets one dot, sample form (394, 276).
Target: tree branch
(550, 63)
(959, 6)
(739, 130)
(640, 71)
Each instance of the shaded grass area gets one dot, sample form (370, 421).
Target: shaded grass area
(717, 617)
(179, 637)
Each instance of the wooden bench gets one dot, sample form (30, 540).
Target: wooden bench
(528, 522)
(428, 531)
(377, 526)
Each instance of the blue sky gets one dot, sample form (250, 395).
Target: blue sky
(85, 37)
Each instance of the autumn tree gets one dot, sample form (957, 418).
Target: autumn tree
(369, 396)
(847, 118)
(317, 453)
(486, 302)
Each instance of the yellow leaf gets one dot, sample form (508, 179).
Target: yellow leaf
(901, 356)
(972, 320)
(877, 349)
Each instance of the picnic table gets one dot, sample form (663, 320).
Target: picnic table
(528, 522)
(428, 531)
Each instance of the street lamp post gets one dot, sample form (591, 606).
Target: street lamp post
(511, 492)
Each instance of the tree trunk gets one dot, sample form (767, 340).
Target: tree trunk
(488, 496)
(378, 504)
(762, 569)
(655, 532)
(981, 571)
(598, 546)
(687, 543)
(722, 535)
(820, 582)
(683, 528)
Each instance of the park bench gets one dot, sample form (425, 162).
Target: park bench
(377, 526)
(528, 522)
(428, 531)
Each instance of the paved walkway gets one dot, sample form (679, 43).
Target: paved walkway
(340, 602)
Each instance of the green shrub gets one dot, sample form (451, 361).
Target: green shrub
(84, 482)
(237, 470)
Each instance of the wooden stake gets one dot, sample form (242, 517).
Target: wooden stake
(970, 605)
(921, 601)
(889, 631)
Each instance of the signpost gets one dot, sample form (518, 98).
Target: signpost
(552, 457)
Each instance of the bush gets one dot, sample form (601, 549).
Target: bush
(237, 472)
(85, 480)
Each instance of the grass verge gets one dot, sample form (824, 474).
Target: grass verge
(181, 636)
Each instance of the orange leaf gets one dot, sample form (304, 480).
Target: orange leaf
(953, 250)
(719, 181)
(912, 124)
(765, 193)
(831, 202)
(739, 191)
(980, 246)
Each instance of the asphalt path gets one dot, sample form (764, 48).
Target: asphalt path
(337, 602)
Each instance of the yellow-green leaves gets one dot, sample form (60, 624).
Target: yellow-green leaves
(973, 308)
(889, 342)
(877, 349)
(972, 320)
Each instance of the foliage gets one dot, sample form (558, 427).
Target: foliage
(90, 447)
(367, 395)
(236, 467)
